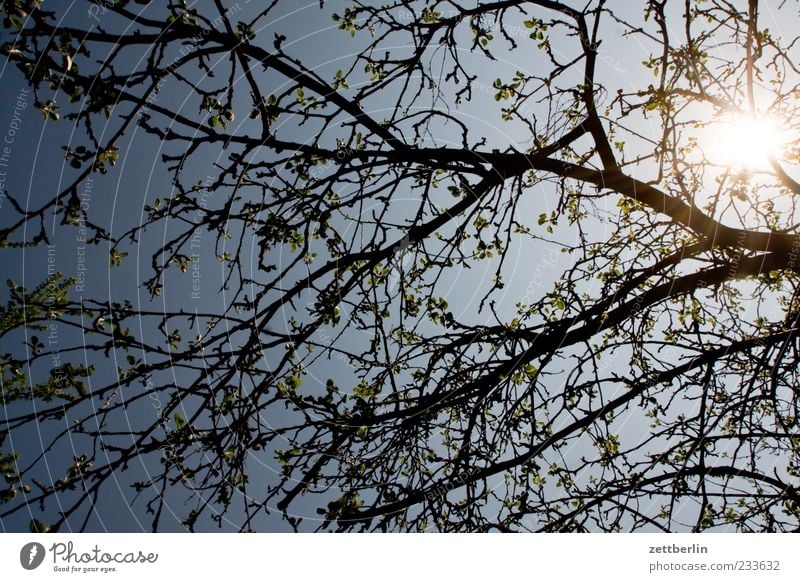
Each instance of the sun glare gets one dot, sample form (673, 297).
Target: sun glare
(748, 142)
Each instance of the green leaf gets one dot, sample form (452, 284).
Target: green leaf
(115, 257)
(180, 422)
(37, 526)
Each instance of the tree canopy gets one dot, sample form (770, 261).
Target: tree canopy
(456, 266)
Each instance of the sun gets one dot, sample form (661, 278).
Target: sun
(748, 142)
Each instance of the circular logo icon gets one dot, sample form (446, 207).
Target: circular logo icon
(31, 555)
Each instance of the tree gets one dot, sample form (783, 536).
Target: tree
(481, 271)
